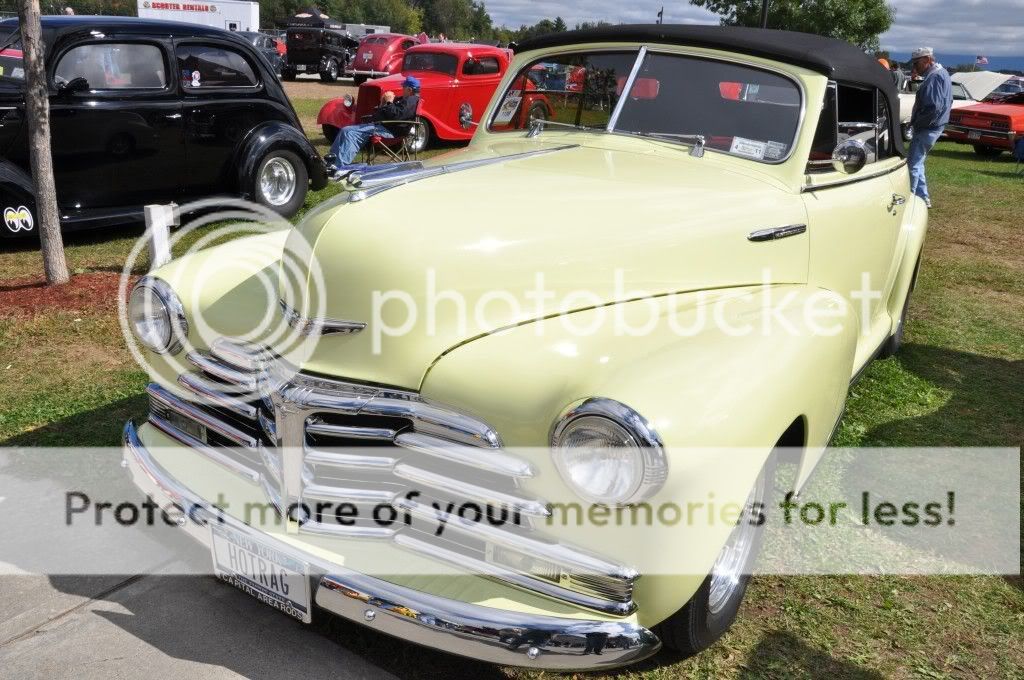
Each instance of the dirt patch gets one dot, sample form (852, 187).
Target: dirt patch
(30, 296)
(306, 87)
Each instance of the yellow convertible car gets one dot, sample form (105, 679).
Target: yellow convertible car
(569, 310)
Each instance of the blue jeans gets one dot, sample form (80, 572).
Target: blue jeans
(351, 139)
(920, 145)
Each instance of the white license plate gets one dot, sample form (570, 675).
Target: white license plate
(267, 574)
(367, 56)
(300, 67)
(973, 134)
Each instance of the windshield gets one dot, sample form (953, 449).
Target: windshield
(739, 110)
(430, 61)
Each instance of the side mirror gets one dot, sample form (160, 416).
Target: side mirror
(849, 156)
(466, 116)
(74, 85)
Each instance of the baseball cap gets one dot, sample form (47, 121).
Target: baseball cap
(922, 52)
(411, 82)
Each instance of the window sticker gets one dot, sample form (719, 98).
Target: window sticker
(775, 150)
(750, 148)
(509, 107)
(195, 78)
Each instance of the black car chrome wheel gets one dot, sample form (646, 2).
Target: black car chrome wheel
(281, 182)
(330, 73)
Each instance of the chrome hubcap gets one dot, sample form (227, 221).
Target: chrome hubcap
(277, 181)
(727, 574)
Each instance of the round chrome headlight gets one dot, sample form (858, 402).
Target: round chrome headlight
(156, 316)
(349, 101)
(607, 453)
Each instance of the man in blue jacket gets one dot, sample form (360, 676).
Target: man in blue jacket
(351, 138)
(929, 117)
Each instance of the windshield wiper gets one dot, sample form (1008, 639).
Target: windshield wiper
(697, 141)
(537, 126)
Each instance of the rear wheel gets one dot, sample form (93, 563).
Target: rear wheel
(330, 132)
(281, 182)
(330, 73)
(713, 608)
(986, 151)
(895, 341)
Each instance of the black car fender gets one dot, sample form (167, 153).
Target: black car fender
(272, 136)
(17, 202)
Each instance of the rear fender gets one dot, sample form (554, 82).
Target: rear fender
(273, 136)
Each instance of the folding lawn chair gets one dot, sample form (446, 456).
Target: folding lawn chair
(402, 147)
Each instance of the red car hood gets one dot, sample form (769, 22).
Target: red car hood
(1014, 112)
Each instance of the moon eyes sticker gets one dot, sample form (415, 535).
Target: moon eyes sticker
(18, 219)
(195, 78)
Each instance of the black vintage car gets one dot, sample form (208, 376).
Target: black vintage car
(318, 50)
(150, 112)
(267, 46)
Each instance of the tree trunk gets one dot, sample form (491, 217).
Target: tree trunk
(37, 113)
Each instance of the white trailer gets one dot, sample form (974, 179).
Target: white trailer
(359, 30)
(231, 15)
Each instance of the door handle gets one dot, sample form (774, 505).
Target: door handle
(897, 199)
(173, 116)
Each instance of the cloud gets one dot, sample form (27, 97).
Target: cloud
(990, 27)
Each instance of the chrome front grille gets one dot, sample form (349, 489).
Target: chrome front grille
(312, 443)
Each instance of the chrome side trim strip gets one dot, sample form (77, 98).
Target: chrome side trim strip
(317, 325)
(490, 461)
(775, 233)
(851, 180)
(488, 634)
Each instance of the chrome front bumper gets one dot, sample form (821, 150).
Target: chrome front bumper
(485, 633)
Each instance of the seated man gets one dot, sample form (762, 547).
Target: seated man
(350, 139)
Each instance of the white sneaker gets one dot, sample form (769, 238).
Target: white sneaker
(928, 203)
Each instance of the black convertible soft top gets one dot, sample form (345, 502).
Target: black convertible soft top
(834, 58)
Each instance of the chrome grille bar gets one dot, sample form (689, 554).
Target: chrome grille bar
(207, 390)
(349, 461)
(489, 461)
(187, 410)
(208, 451)
(315, 426)
(246, 381)
(462, 489)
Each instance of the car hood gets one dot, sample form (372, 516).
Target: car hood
(427, 80)
(1012, 111)
(460, 255)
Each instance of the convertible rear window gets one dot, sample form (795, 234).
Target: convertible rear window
(431, 61)
(737, 109)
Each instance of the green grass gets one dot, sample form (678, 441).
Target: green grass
(958, 381)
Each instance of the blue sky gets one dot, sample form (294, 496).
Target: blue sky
(989, 27)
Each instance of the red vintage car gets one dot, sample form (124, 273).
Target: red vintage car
(457, 81)
(380, 54)
(991, 128)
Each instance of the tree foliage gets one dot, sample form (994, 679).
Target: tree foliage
(856, 21)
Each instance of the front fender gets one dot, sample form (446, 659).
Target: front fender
(273, 136)
(703, 394)
(335, 113)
